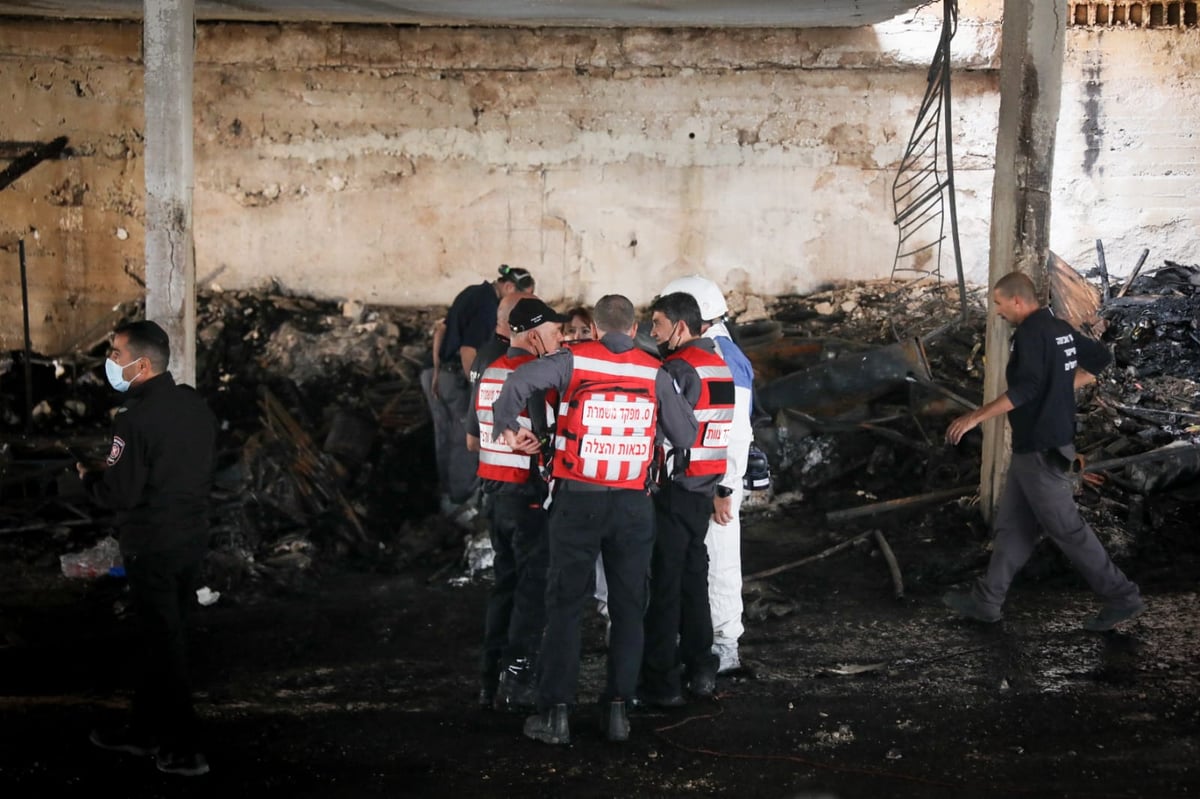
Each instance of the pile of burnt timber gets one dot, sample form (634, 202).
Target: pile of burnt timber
(325, 448)
(857, 385)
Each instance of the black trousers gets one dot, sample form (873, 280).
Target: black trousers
(620, 524)
(163, 585)
(679, 633)
(516, 608)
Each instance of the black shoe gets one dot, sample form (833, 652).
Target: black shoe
(185, 764)
(615, 722)
(1112, 615)
(549, 726)
(968, 606)
(654, 700)
(124, 740)
(517, 689)
(703, 682)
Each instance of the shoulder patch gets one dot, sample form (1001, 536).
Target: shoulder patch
(114, 454)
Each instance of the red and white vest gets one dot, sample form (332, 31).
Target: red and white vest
(497, 461)
(607, 416)
(714, 411)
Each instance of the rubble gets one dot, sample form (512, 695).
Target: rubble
(326, 445)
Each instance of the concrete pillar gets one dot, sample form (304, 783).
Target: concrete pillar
(1034, 38)
(168, 44)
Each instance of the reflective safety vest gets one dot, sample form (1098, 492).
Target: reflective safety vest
(714, 411)
(607, 417)
(497, 461)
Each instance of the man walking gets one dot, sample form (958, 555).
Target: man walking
(1049, 360)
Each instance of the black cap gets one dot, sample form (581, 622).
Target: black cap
(531, 312)
(517, 276)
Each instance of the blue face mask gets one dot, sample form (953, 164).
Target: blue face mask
(116, 374)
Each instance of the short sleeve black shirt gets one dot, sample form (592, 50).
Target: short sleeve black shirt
(471, 321)
(1045, 351)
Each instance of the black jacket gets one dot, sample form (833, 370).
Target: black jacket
(159, 470)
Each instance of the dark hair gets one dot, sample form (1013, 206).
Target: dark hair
(1017, 284)
(614, 314)
(517, 276)
(582, 313)
(679, 305)
(146, 339)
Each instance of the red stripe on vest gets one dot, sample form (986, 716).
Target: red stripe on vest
(715, 418)
(607, 417)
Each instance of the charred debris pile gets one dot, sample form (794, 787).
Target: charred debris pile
(326, 450)
(858, 383)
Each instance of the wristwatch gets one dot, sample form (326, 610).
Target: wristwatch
(724, 492)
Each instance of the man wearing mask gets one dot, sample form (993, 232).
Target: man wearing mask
(515, 490)
(724, 539)
(679, 635)
(613, 397)
(157, 478)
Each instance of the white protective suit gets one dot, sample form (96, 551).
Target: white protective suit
(724, 542)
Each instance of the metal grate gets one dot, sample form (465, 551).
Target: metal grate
(1135, 14)
(924, 187)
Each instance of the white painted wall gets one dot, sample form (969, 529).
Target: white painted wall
(1127, 161)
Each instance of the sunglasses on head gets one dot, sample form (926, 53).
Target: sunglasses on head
(517, 276)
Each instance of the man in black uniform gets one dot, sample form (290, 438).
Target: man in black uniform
(468, 326)
(1049, 360)
(611, 395)
(157, 478)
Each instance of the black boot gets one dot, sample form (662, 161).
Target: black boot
(549, 726)
(704, 681)
(615, 722)
(518, 689)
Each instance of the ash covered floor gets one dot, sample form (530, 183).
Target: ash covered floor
(364, 685)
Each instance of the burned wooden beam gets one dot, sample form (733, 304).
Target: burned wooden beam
(903, 503)
(29, 158)
(1176, 450)
(893, 564)
(1133, 275)
(849, 542)
(1103, 266)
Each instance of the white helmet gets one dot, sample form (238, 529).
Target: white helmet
(708, 296)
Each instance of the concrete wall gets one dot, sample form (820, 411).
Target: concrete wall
(1127, 159)
(397, 164)
(394, 165)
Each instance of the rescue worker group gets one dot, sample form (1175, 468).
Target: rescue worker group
(608, 474)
